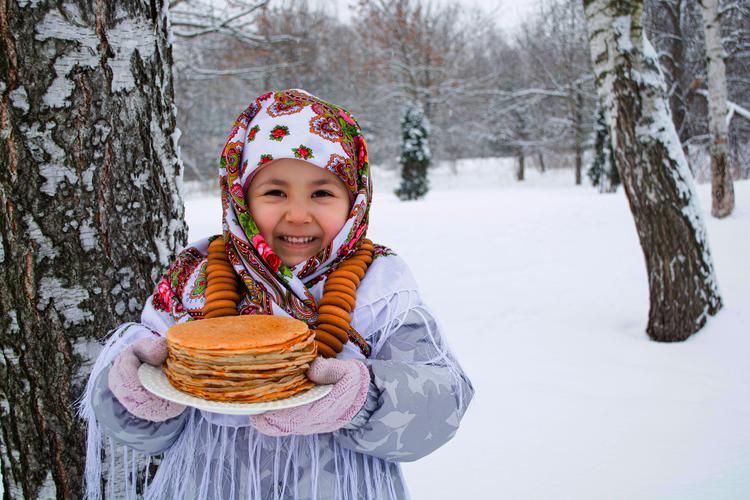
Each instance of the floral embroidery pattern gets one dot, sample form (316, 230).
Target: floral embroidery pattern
(201, 282)
(170, 289)
(273, 260)
(237, 192)
(265, 159)
(162, 298)
(303, 152)
(279, 132)
(327, 127)
(382, 251)
(343, 169)
(251, 133)
(287, 103)
(232, 157)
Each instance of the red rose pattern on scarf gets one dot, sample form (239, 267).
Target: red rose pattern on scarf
(251, 133)
(265, 159)
(303, 152)
(265, 250)
(278, 132)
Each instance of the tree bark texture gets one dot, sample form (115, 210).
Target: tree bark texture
(722, 188)
(90, 213)
(682, 285)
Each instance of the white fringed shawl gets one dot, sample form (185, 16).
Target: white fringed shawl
(243, 460)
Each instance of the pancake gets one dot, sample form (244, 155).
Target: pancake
(244, 332)
(240, 359)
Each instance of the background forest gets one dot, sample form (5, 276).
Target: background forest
(485, 92)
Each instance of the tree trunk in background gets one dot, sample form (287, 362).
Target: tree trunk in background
(682, 285)
(578, 114)
(722, 189)
(540, 156)
(668, 17)
(521, 172)
(90, 213)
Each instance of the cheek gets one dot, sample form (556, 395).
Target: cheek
(334, 220)
(265, 218)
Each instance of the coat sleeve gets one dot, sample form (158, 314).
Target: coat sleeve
(151, 438)
(418, 394)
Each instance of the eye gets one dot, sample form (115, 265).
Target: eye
(274, 192)
(321, 193)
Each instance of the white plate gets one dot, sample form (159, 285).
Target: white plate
(154, 380)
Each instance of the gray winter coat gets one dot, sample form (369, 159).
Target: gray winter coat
(417, 397)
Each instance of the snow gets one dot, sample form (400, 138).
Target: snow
(621, 27)
(546, 307)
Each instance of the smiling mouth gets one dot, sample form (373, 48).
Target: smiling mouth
(297, 240)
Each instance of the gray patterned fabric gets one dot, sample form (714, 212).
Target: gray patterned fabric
(418, 406)
(414, 406)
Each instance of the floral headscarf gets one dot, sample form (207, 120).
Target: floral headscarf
(290, 124)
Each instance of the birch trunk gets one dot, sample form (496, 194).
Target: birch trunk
(722, 189)
(90, 213)
(579, 133)
(682, 285)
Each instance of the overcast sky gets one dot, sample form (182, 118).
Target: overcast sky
(507, 13)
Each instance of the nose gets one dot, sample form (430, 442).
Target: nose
(297, 212)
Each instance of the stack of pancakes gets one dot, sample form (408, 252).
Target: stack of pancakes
(240, 359)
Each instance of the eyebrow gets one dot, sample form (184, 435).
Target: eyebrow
(283, 183)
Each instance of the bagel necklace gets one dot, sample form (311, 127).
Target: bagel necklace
(333, 327)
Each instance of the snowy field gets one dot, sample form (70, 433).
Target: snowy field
(541, 288)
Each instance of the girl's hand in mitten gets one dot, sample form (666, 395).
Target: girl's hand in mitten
(124, 384)
(351, 381)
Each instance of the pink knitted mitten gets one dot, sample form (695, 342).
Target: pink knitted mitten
(351, 381)
(124, 384)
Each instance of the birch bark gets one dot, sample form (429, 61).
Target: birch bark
(683, 291)
(90, 212)
(722, 188)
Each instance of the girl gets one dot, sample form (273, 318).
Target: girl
(295, 192)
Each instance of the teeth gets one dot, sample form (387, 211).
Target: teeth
(292, 239)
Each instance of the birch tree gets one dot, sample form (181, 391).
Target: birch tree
(91, 213)
(722, 189)
(683, 291)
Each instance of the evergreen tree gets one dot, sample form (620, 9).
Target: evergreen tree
(603, 172)
(415, 154)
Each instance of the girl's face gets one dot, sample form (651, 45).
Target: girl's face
(298, 207)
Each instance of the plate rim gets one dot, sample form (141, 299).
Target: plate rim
(229, 408)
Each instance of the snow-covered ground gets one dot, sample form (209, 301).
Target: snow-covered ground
(542, 291)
